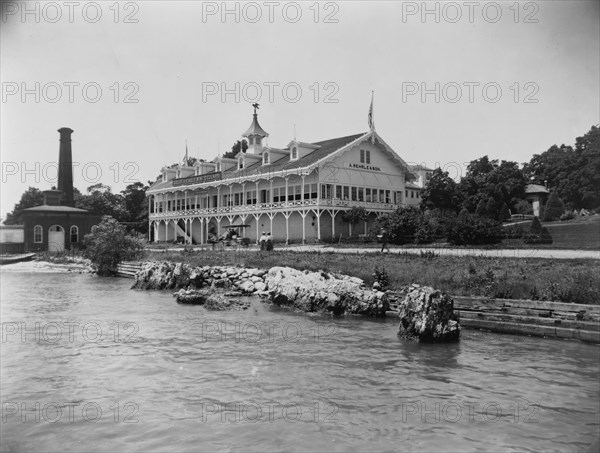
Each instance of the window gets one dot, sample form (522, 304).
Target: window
(338, 192)
(353, 193)
(38, 234)
(265, 158)
(361, 194)
(74, 234)
(251, 197)
(346, 193)
(294, 153)
(218, 166)
(365, 156)
(368, 195)
(406, 194)
(240, 164)
(250, 140)
(313, 190)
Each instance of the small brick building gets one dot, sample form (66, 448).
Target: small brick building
(58, 225)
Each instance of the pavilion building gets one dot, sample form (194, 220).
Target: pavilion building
(298, 193)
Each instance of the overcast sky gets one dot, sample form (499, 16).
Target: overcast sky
(504, 79)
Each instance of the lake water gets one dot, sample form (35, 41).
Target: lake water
(107, 368)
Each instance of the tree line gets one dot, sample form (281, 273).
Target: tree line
(129, 207)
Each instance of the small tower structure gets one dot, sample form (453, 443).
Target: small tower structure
(255, 134)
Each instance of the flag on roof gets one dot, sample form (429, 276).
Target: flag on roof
(371, 120)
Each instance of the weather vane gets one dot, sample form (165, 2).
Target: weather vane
(255, 105)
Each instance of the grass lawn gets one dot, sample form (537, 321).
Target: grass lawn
(562, 280)
(576, 234)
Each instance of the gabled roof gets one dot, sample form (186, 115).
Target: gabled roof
(535, 188)
(326, 149)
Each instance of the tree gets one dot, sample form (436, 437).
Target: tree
(481, 209)
(523, 207)
(537, 233)
(100, 200)
(503, 213)
(472, 229)
(31, 198)
(239, 145)
(440, 192)
(573, 172)
(135, 206)
(109, 243)
(355, 215)
(554, 207)
(486, 178)
(402, 224)
(491, 209)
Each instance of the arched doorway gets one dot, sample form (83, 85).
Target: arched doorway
(56, 239)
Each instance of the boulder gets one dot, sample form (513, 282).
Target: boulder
(190, 297)
(260, 286)
(247, 287)
(217, 301)
(322, 291)
(427, 315)
(221, 283)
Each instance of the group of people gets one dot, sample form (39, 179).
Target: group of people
(265, 242)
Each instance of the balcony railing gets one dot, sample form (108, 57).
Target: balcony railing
(276, 206)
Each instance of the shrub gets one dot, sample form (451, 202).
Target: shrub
(554, 208)
(567, 216)
(523, 207)
(537, 234)
(474, 230)
(381, 276)
(109, 243)
(503, 213)
(513, 232)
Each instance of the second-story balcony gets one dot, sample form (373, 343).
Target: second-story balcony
(322, 203)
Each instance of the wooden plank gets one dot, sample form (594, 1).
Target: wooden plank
(464, 301)
(534, 330)
(569, 324)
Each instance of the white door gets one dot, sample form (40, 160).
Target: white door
(56, 239)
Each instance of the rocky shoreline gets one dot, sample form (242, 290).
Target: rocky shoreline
(426, 314)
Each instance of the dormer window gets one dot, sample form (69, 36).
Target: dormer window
(294, 153)
(218, 166)
(265, 158)
(240, 163)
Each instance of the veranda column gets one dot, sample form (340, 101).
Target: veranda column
(287, 196)
(318, 225)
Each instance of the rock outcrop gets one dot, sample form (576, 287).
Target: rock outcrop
(323, 292)
(426, 315)
(210, 300)
(168, 275)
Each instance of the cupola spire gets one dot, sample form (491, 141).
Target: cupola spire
(255, 133)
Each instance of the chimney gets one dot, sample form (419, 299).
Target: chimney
(65, 167)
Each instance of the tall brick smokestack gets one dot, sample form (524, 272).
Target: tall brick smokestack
(65, 167)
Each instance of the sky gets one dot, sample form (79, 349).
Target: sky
(136, 81)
